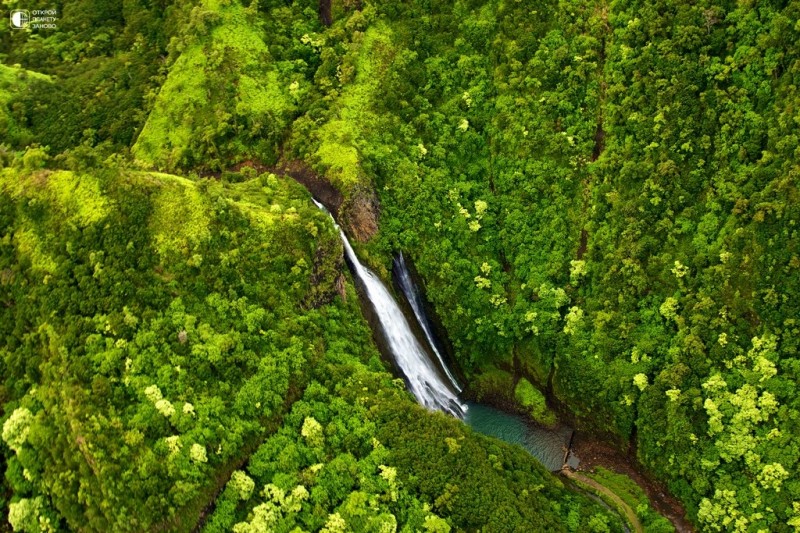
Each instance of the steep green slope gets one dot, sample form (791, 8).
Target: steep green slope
(13, 82)
(693, 237)
(105, 59)
(602, 198)
(232, 90)
(153, 329)
(156, 329)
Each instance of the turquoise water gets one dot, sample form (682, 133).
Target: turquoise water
(431, 381)
(547, 445)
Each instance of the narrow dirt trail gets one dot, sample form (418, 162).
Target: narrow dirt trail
(633, 520)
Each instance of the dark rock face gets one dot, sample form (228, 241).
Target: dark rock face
(318, 186)
(360, 214)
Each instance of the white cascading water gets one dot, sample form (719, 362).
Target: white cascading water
(412, 295)
(411, 358)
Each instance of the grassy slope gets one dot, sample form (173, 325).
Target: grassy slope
(633, 496)
(13, 81)
(71, 273)
(224, 99)
(609, 496)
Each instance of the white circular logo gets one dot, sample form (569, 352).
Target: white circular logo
(20, 19)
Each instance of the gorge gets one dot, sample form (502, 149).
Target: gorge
(571, 210)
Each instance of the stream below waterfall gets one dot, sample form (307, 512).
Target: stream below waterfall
(549, 446)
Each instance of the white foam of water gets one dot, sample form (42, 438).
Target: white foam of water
(411, 358)
(407, 285)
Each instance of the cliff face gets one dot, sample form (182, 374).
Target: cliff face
(360, 214)
(318, 186)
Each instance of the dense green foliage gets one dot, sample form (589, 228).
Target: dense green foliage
(634, 496)
(229, 95)
(141, 357)
(108, 58)
(144, 360)
(362, 456)
(14, 81)
(601, 198)
(534, 403)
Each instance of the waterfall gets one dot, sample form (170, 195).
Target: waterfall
(412, 295)
(411, 358)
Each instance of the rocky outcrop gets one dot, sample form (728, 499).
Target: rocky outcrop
(318, 186)
(360, 213)
(357, 213)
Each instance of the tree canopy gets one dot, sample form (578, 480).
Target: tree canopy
(600, 199)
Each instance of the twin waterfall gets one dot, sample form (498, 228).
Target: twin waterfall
(421, 363)
(423, 377)
(415, 300)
